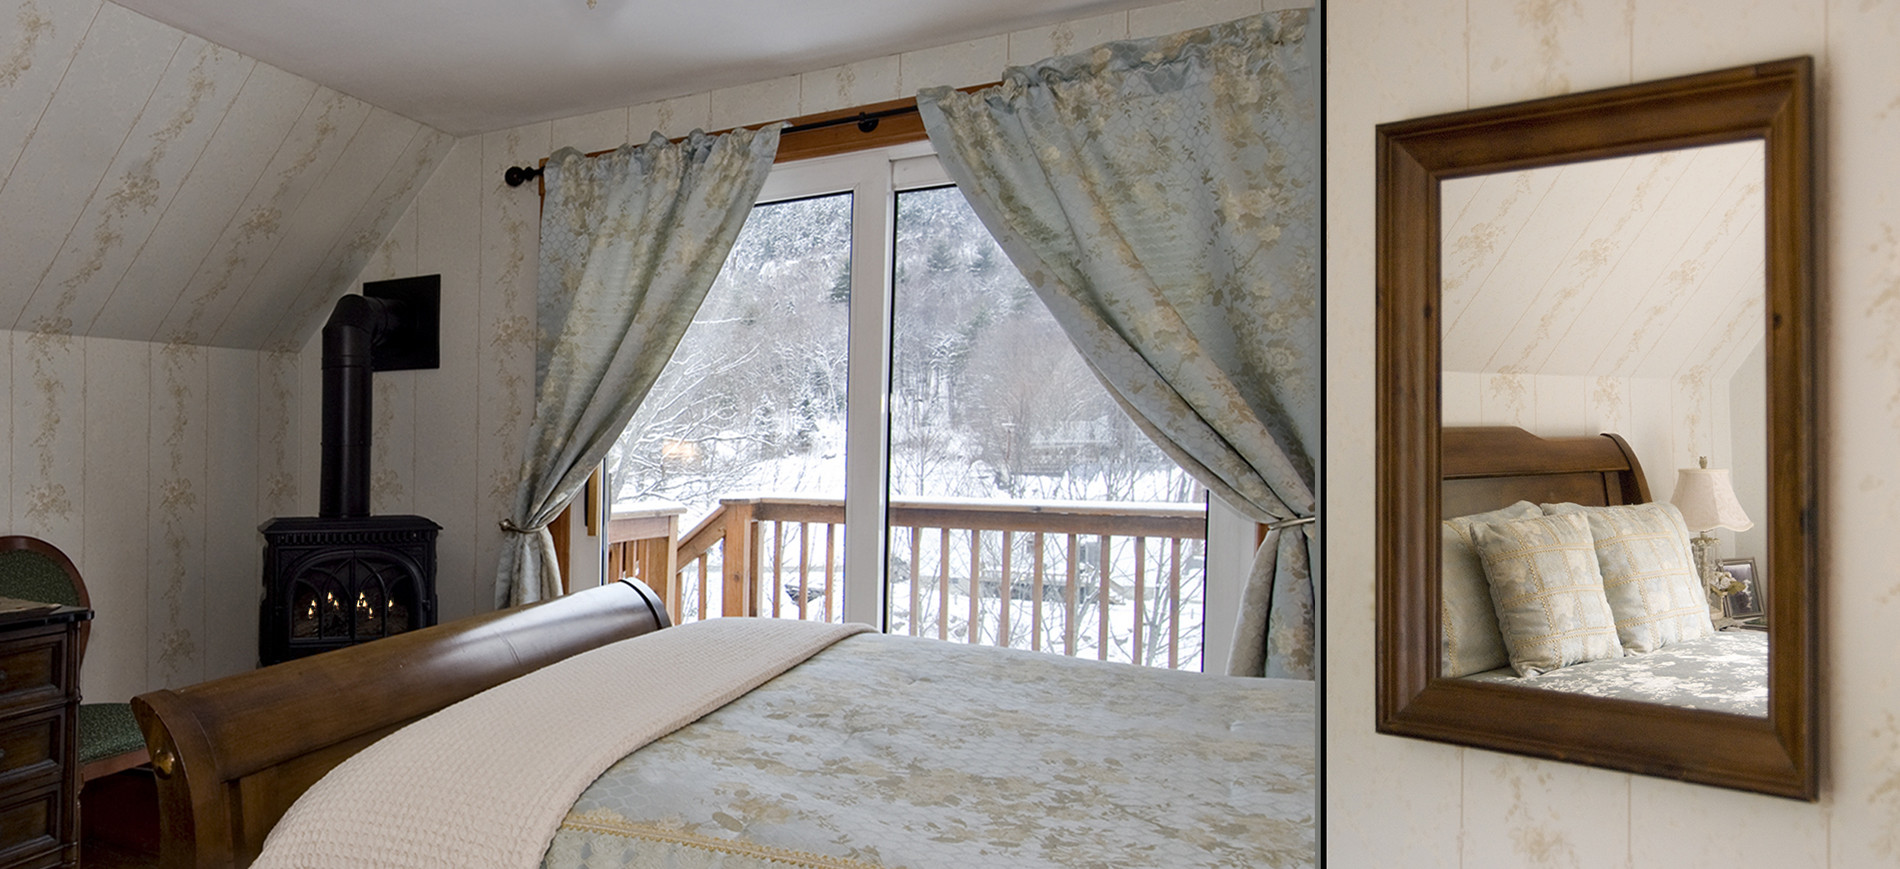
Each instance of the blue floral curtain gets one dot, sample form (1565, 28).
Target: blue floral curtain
(1162, 196)
(630, 243)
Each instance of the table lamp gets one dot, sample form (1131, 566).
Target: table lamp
(1707, 501)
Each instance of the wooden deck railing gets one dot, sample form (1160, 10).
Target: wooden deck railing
(640, 544)
(1104, 580)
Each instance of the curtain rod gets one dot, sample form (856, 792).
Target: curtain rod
(866, 122)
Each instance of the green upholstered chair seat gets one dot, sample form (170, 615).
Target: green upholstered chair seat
(32, 576)
(32, 569)
(107, 730)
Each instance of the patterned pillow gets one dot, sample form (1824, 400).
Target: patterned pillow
(1548, 592)
(1471, 642)
(1649, 573)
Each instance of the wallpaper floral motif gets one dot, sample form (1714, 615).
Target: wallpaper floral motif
(419, 150)
(1608, 267)
(511, 330)
(260, 224)
(48, 503)
(277, 435)
(138, 188)
(32, 24)
(178, 469)
(1884, 308)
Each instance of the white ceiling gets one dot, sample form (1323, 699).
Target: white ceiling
(471, 66)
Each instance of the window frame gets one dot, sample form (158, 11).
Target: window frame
(874, 176)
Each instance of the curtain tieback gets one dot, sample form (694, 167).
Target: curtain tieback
(509, 525)
(1290, 523)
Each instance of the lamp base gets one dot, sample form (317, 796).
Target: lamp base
(1713, 579)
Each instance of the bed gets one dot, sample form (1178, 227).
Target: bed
(1495, 475)
(869, 751)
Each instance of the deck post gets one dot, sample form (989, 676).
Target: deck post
(740, 559)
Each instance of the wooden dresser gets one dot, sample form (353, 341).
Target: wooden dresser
(39, 706)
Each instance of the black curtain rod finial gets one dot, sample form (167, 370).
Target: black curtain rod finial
(519, 175)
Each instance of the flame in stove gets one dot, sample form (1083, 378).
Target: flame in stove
(330, 601)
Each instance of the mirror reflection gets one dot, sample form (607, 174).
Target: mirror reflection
(1603, 397)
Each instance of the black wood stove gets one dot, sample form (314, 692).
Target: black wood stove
(345, 577)
(338, 582)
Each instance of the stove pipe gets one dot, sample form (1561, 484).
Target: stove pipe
(357, 325)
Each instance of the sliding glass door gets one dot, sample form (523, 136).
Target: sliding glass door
(873, 419)
(1027, 510)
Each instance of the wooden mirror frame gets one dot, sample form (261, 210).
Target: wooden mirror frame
(1778, 754)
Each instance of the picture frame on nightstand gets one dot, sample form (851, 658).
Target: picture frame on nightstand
(1744, 604)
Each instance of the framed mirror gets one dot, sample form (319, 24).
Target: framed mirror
(1596, 416)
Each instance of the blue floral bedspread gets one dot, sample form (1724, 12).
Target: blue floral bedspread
(891, 751)
(1727, 672)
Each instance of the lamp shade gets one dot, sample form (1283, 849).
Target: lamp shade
(1707, 500)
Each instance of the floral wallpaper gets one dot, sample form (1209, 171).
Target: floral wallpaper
(173, 216)
(157, 187)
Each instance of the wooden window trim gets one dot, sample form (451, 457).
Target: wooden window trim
(562, 528)
(846, 138)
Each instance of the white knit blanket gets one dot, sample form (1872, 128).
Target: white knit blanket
(487, 781)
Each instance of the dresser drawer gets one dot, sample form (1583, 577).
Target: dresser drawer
(31, 670)
(30, 746)
(30, 825)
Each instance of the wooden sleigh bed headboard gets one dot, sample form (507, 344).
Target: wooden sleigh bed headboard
(1488, 467)
(232, 754)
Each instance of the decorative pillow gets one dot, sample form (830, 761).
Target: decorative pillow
(1649, 573)
(1471, 642)
(1548, 592)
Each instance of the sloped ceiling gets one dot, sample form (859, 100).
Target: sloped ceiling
(157, 187)
(473, 66)
(1645, 266)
